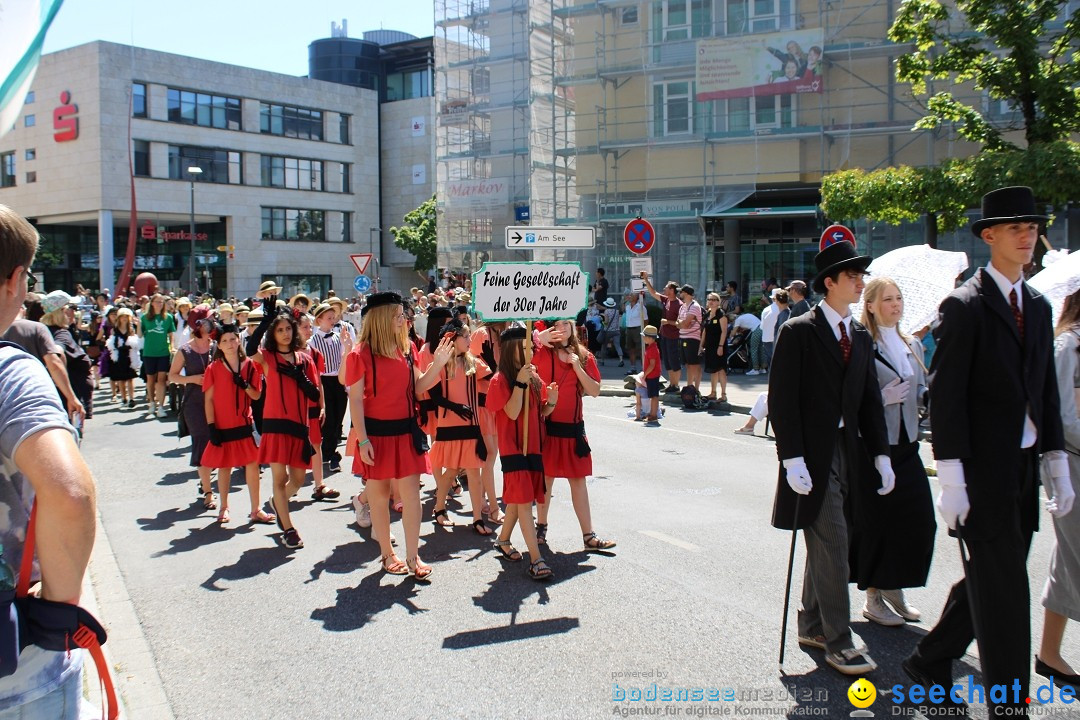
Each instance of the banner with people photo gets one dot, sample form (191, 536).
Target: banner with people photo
(754, 65)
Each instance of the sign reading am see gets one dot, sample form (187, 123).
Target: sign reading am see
(504, 291)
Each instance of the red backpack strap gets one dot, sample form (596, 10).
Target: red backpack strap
(22, 589)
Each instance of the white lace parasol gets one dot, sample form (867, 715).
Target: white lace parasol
(1059, 278)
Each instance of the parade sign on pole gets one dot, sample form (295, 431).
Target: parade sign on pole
(526, 291)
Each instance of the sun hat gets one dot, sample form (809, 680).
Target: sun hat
(268, 288)
(55, 300)
(650, 331)
(609, 303)
(321, 308)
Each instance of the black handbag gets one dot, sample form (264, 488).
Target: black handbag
(181, 420)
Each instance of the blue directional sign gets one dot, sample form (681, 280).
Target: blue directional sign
(362, 283)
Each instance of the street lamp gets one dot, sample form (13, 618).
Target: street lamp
(194, 171)
(374, 257)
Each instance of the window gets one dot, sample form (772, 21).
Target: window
(672, 113)
(408, 85)
(138, 100)
(293, 224)
(141, 158)
(7, 169)
(754, 16)
(29, 98)
(31, 176)
(294, 122)
(745, 114)
(310, 285)
(31, 154)
(218, 166)
(292, 173)
(628, 16)
(676, 19)
(29, 121)
(481, 81)
(346, 172)
(192, 108)
(346, 227)
(343, 129)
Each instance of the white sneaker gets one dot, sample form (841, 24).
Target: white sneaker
(752, 372)
(744, 431)
(877, 611)
(853, 661)
(895, 598)
(160, 412)
(363, 512)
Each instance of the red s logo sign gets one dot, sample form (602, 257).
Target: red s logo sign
(65, 122)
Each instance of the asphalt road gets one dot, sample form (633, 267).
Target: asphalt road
(240, 627)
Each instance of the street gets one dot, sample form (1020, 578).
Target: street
(240, 627)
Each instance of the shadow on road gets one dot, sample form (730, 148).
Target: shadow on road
(201, 537)
(177, 452)
(346, 558)
(357, 606)
(169, 517)
(258, 561)
(178, 478)
(510, 633)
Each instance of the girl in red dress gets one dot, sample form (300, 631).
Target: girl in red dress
(229, 385)
(292, 387)
(562, 359)
(459, 442)
(523, 475)
(317, 413)
(485, 345)
(383, 381)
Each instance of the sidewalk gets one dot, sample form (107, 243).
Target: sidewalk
(742, 391)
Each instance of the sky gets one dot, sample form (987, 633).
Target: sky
(265, 34)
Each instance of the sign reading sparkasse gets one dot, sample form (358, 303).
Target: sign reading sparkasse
(504, 291)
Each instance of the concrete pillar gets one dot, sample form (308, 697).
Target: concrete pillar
(732, 255)
(106, 276)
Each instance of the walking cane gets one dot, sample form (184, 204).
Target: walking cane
(968, 579)
(787, 588)
(528, 391)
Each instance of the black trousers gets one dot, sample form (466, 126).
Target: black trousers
(335, 397)
(993, 602)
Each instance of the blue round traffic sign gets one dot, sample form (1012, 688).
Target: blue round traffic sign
(639, 236)
(834, 234)
(362, 283)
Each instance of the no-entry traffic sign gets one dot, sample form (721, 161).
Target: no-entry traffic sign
(639, 236)
(834, 234)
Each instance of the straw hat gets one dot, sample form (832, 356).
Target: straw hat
(267, 289)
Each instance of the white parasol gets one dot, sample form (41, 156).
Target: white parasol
(924, 275)
(1059, 278)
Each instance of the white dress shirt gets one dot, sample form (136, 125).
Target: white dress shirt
(1006, 287)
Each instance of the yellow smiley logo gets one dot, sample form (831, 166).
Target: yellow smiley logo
(862, 693)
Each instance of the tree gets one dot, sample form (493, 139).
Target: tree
(418, 235)
(1019, 52)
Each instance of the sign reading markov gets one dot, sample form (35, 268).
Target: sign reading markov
(504, 291)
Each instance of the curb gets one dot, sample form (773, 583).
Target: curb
(669, 401)
(139, 689)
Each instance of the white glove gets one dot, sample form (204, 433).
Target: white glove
(883, 463)
(798, 477)
(1060, 502)
(953, 503)
(895, 392)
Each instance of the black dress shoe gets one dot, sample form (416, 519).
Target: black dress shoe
(922, 675)
(1061, 679)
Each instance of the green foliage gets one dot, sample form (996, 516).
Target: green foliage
(419, 234)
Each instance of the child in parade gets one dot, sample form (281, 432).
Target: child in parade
(231, 382)
(485, 344)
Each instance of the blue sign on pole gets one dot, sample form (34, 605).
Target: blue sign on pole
(362, 283)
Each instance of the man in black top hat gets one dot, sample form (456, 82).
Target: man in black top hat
(995, 398)
(824, 402)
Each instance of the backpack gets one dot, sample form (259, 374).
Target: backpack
(692, 399)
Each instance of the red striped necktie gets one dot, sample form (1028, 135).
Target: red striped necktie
(845, 343)
(1017, 315)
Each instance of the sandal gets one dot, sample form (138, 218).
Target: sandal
(541, 533)
(506, 551)
(539, 570)
(455, 489)
(481, 528)
(261, 516)
(223, 516)
(723, 398)
(594, 543)
(326, 493)
(292, 540)
(420, 571)
(442, 513)
(209, 503)
(395, 568)
(398, 506)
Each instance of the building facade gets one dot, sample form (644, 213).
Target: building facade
(289, 185)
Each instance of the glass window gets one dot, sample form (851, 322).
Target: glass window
(291, 121)
(346, 227)
(29, 98)
(138, 100)
(31, 154)
(758, 15)
(7, 169)
(343, 129)
(29, 121)
(292, 173)
(346, 172)
(676, 20)
(310, 285)
(293, 224)
(218, 166)
(193, 108)
(31, 176)
(629, 16)
(141, 157)
(744, 114)
(672, 108)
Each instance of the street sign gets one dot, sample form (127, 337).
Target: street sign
(834, 234)
(639, 236)
(529, 238)
(361, 261)
(639, 265)
(504, 291)
(362, 283)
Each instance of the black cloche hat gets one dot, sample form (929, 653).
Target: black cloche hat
(838, 256)
(1007, 205)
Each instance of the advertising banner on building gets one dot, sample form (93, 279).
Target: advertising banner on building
(478, 193)
(756, 65)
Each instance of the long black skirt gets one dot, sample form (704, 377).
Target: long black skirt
(891, 536)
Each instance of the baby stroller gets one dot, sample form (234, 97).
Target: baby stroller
(737, 352)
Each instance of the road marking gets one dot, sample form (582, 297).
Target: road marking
(684, 432)
(670, 540)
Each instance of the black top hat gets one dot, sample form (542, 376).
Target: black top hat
(1006, 205)
(514, 333)
(838, 256)
(380, 298)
